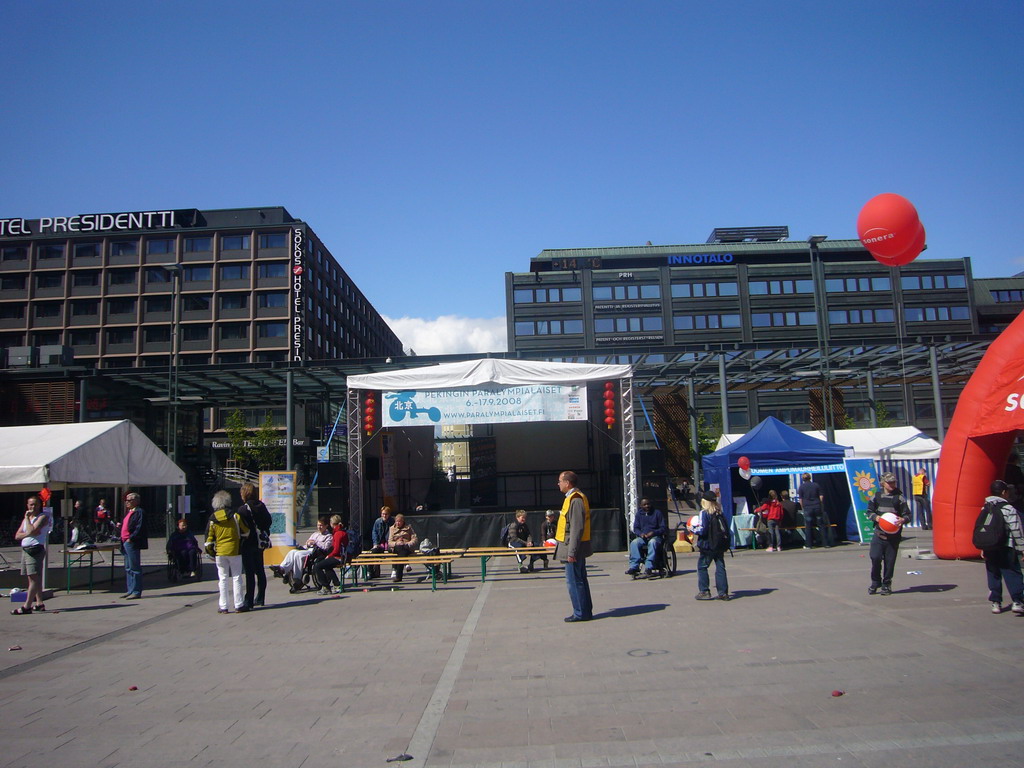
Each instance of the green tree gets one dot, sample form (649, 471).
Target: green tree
(265, 449)
(882, 415)
(708, 432)
(238, 436)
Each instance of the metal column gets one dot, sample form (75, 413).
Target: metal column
(629, 471)
(723, 393)
(940, 427)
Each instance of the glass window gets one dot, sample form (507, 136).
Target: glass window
(120, 336)
(195, 332)
(884, 316)
(160, 245)
(46, 337)
(956, 281)
(276, 299)
(272, 330)
(49, 309)
(158, 304)
(14, 253)
(273, 269)
(12, 282)
(124, 248)
(122, 276)
(234, 272)
(522, 296)
(157, 333)
(233, 357)
(234, 301)
(881, 284)
(651, 323)
(12, 311)
(120, 306)
(602, 293)
(82, 338)
(572, 326)
(835, 285)
(525, 329)
(198, 244)
(572, 294)
(650, 291)
(911, 283)
(959, 313)
(85, 278)
(48, 280)
(51, 251)
(197, 274)
(913, 314)
(234, 243)
(761, 319)
(87, 250)
(234, 331)
(85, 308)
(158, 275)
(195, 302)
(274, 240)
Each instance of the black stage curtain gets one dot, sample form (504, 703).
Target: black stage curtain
(482, 529)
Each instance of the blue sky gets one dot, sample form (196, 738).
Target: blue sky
(435, 146)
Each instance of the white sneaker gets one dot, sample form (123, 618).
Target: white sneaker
(394, 573)
(997, 608)
(769, 549)
(1018, 608)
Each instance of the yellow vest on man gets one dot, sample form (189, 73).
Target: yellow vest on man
(918, 484)
(560, 531)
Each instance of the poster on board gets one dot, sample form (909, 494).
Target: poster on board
(278, 492)
(489, 405)
(863, 480)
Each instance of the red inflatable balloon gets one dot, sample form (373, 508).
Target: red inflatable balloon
(908, 255)
(888, 225)
(744, 462)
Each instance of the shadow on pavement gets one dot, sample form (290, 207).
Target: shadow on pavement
(926, 588)
(751, 593)
(631, 610)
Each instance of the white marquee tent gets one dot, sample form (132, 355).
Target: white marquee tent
(104, 454)
(885, 443)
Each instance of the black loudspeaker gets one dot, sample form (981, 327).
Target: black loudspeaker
(333, 501)
(333, 474)
(615, 464)
(371, 468)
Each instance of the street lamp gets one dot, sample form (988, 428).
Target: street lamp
(821, 330)
(172, 383)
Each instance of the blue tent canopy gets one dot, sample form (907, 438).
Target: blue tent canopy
(771, 445)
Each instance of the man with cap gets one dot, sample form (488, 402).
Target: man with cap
(1002, 563)
(885, 546)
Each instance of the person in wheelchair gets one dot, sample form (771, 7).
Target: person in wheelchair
(296, 567)
(323, 571)
(649, 530)
(183, 550)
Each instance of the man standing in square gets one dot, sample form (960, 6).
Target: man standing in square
(573, 546)
(919, 485)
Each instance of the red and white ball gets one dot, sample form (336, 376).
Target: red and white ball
(693, 522)
(890, 522)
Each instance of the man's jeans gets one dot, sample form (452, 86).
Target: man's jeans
(579, 588)
(883, 553)
(637, 548)
(816, 519)
(132, 567)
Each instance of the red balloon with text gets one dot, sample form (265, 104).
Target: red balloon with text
(888, 225)
(908, 255)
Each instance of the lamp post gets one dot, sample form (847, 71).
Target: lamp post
(172, 384)
(822, 333)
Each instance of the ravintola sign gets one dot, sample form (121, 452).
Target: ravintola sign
(89, 222)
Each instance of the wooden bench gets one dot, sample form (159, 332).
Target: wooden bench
(365, 560)
(486, 553)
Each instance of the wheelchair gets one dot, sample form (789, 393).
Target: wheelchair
(309, 578)
(665, 558)
(176, 573)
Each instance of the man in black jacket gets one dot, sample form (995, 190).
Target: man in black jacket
(885, 545)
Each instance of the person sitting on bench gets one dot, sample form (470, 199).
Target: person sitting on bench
(402, 540)
(324, 569)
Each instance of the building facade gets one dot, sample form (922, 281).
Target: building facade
(238, 285)
(751, 301)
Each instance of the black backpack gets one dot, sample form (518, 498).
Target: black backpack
(503, 536)
(990, 528)
(717, 534)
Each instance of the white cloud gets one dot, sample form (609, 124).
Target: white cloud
(450, 334)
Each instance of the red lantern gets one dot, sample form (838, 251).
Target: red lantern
(609, 412)
(609, 420)
(744, 463)
(908, 255)
(888, 225)
(44, 495)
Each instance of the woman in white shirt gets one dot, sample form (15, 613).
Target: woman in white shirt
(32, 535)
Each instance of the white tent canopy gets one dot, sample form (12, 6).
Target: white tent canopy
(892, 443)
(476, 373)
(102, 454)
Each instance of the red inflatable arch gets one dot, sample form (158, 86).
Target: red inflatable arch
(988, 415)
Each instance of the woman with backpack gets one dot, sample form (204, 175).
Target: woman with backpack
(256, 516)
(712, 541)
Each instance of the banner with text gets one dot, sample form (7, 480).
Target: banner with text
(492, 405)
